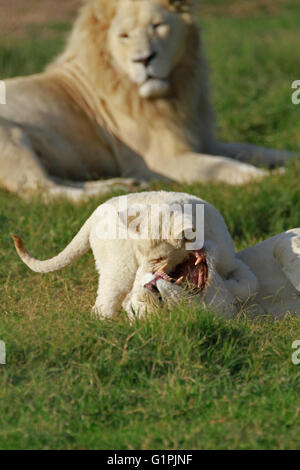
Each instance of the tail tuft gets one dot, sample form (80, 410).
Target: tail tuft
(19, 244)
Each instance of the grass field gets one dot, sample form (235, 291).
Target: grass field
(183, 379)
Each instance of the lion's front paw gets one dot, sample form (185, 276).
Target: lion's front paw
(240, 173)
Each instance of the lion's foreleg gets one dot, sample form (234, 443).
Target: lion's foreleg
(194, 167)
(253, 154)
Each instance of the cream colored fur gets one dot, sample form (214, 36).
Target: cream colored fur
(123, 263)
(276, 264)
(128, 100)
(262, 279)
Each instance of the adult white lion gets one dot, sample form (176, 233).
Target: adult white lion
(128, 100)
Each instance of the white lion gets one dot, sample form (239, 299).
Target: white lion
(127, 101)
(143, 265)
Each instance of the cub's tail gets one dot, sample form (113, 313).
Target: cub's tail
(78, 247)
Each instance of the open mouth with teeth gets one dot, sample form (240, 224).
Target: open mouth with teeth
(192, 273)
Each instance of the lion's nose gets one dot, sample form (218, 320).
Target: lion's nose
(145, 60)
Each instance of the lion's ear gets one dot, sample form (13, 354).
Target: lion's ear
(184, 6)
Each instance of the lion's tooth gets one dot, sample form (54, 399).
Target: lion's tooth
(179, 281)
(200, 280)
(199, 260)
(162, 269)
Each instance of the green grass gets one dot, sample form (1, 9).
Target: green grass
(184, 379)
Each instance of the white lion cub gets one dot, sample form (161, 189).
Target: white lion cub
(140, 238)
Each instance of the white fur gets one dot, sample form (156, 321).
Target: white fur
(276, 264)
(154, 89)
(123, 264)
(264, 278)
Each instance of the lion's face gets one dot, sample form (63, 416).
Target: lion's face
(146, 42)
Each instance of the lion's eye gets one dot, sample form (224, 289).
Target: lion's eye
(162, 29)
(157, 25)
(124, 35)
